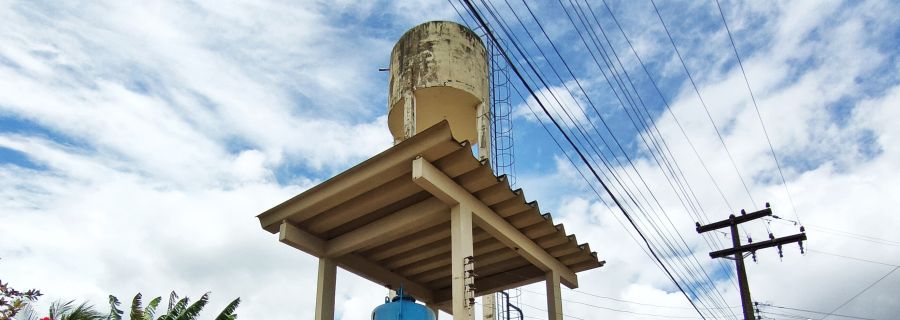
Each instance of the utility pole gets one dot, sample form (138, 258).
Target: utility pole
(738, 250)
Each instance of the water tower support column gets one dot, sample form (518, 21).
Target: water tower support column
(484, 131)
(554, 297)
(325, 289)
(462, 253)
(409, 114)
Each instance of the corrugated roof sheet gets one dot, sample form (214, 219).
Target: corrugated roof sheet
(382, 186)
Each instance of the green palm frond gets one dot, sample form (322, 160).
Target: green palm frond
(27, 313)
(83, 311)
(179, 307)
(59, 309)
(191, 313)
(114, 312)
(150, 310)
(228, 312)
(137, 310)
(173, 297)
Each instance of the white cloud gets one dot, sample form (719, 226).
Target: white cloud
(161, 129)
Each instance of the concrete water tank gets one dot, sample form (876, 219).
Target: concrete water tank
(439, 72)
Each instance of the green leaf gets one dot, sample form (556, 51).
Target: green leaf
(150, 310)
(179, 307)
(137, 311)
(114, 312)
(84, 311)
(228, 312)
(172, 298)
(193, 311)
(59, 309)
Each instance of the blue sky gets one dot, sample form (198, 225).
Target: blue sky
(139, 140)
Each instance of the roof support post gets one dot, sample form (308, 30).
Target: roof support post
(554, 297)
(325, 289)
(443, 187)
(463, 262)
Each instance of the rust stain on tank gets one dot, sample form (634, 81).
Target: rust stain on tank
(438, 54)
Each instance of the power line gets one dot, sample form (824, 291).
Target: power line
(758, 114)
(860, 293)
(668, 107)
(703, 103)
(578, 151)
(629, 301)
(575, 122)
(625, 92)
(649, 129)
(667, 316)
(680, 127)
(852, 258)
(843, 233)
(811, 311)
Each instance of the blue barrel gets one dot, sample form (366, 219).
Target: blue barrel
(402, 307)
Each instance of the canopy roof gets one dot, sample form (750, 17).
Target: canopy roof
(380, 220)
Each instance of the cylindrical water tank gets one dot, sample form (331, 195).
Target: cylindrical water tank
(402, 307)
(439, 72)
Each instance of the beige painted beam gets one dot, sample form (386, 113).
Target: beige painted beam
(554, 297)
(297, 238)
(400, 188)
(325, 289)
(442, 187)
(361, 178)
(461, 255)
(378, 274)
(425, 214)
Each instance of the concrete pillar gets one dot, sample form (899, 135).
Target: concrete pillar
(488, 307)
(554, 297)
(483, 125)
(409, 114)
(461, 244)
(325, 289)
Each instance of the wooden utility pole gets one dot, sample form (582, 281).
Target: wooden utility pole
(738, 250)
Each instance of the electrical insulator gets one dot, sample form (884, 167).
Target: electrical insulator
(780, 253)
(801, 247)
(771, 236)
(743, 212)
(767, 205)
(753, 253)
(749, 239)
(802, 229)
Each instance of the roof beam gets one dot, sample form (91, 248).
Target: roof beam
(300, 239)
(378, 274)
(442, 187)
(361, 178)
(422, 215)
